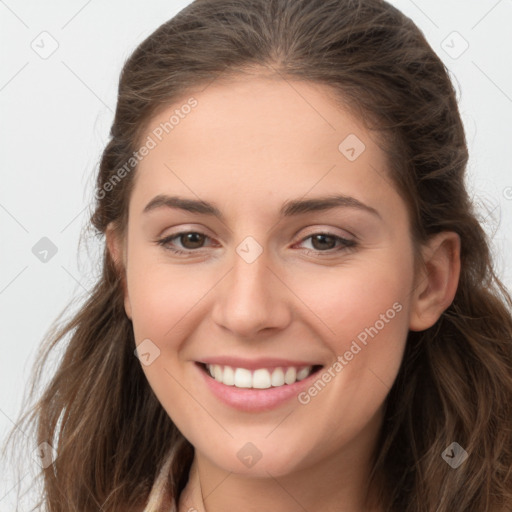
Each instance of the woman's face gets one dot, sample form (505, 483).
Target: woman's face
(298, 255)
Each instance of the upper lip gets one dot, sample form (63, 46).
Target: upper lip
(253, 364)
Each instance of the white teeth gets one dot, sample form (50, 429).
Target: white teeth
(277, 377)
(261, 378)
(302, 374)
(228, 376)
(243, 378)
(291, 375)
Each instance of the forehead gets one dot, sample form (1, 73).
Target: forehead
(264, 138)
(258, 113)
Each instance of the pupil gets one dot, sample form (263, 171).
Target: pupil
(195, 238)
(322, 239)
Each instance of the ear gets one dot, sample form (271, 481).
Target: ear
(436, 283)
(117, 251)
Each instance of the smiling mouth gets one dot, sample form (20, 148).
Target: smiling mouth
(261, 378)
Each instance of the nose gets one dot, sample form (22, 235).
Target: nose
(253, 298)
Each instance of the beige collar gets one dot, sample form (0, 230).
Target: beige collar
(190, 500)
(158, 500)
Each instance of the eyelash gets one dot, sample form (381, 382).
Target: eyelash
(346, 244)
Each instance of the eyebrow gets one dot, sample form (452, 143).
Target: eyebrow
(290, 208)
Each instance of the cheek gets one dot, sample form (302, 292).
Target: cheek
(162, 296)
(351, 300)
(364, 313)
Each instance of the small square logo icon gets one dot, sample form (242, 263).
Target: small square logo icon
(45, 45)
(454, 45)
(352, 147)
(454, 455)
(44, 250)
(146, 352)
(249, 455)
(249, 250)
(44, 454)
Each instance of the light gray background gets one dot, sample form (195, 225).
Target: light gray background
(55, 117)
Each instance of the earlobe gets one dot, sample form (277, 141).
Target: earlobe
(117, 253)
(436, 285)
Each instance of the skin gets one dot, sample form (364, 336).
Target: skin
(249, 146)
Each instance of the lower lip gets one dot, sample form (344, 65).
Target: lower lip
(255, 400)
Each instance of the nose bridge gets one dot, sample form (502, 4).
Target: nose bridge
(251, 298)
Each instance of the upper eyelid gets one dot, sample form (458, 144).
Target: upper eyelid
(325, 231)
(312, 230)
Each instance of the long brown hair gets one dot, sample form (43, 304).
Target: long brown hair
(98, 411)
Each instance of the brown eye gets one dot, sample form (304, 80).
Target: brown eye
(191, 240)
(327, 243)
(323, 242)
(186, 242)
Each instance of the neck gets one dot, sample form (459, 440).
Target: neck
(336, 483)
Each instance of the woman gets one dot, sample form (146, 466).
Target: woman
(298, 308)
